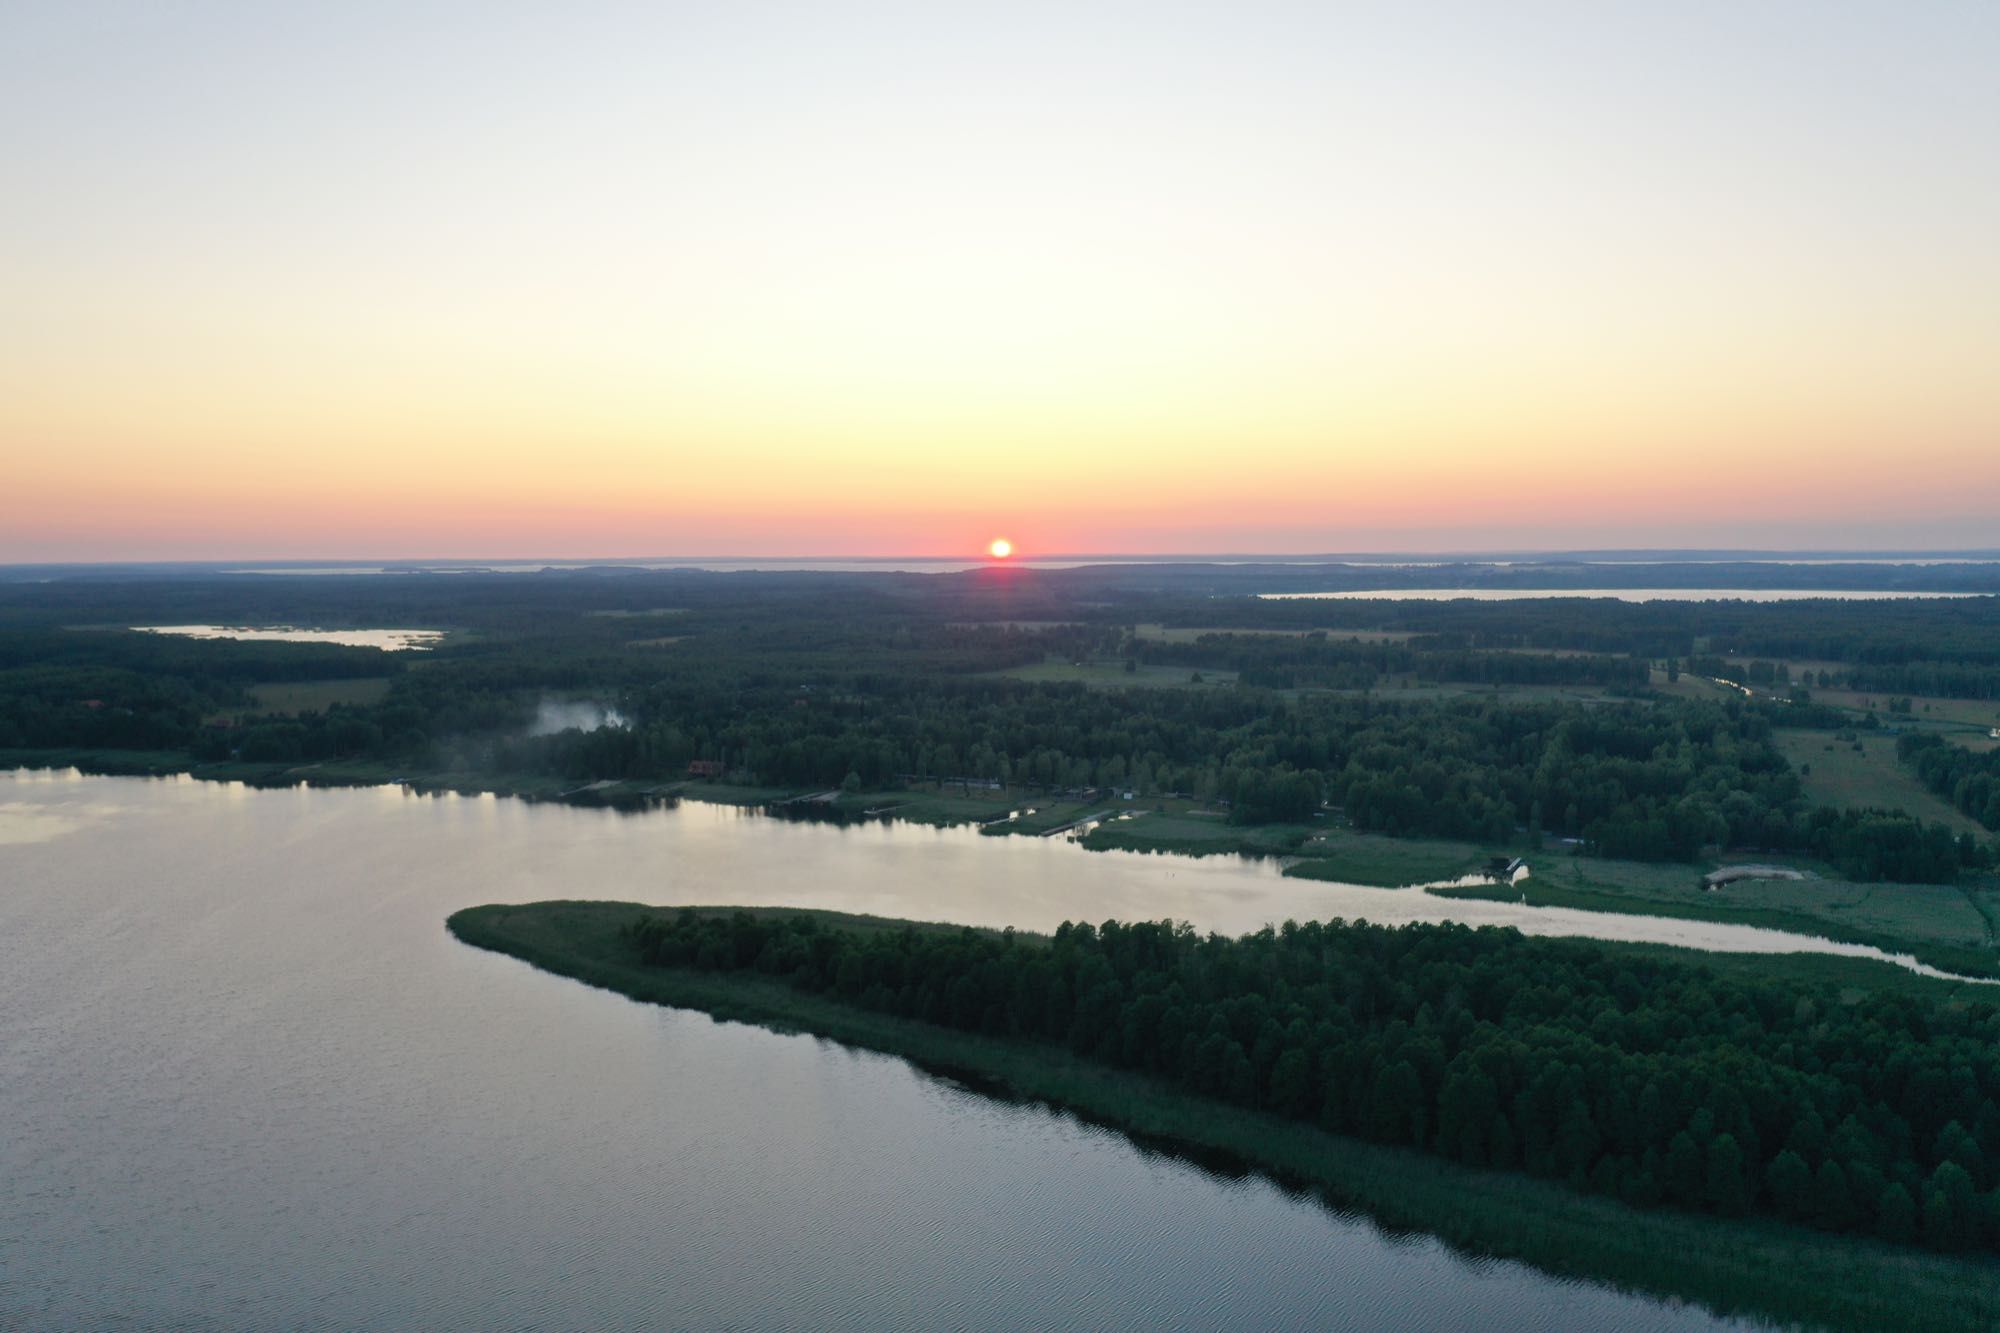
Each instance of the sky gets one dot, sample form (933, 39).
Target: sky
(426, 279)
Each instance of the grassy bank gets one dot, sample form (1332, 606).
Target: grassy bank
(1939, 924)
(1766, 1269)
(1319, 852)
(1373, 858)
(1186, 833)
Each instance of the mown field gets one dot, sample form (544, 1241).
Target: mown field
(1350, 857)
(1982, 713)
(1110, 674)
(1865, 771)
(1187, 832)
(1950, 927)
(312, 696)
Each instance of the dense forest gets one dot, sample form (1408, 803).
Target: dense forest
(1411, 718)
(1968, 779)
(1658, 1083)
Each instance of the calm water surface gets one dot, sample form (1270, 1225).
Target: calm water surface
(247, 1081)
(389, 640)
(1621, 594)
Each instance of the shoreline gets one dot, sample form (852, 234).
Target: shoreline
(1963, 962)
(1730, 1266)
(1373, 860)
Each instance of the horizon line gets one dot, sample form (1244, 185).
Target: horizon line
(1665, 554)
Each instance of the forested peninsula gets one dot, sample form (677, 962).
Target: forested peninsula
(1760, 1142)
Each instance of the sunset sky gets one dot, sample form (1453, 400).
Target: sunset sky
(406, 280)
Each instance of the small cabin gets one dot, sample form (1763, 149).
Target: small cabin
(705, 768)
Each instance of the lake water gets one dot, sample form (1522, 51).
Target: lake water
(1621, 594)
(248, 1081)
(389, 640)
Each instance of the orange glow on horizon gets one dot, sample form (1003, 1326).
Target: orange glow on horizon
(713, 287)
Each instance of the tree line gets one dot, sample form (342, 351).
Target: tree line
(1968, 779)
(1659, 1083)
(829, 681)
(1320, 660)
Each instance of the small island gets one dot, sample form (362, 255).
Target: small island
(1716, 1133)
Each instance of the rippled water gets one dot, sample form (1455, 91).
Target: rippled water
(247, 1081)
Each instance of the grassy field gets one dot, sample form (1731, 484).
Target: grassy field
(1761, 1268)
(1110, 674)
(1410, 689)
(1557, 652)
(1942, 925)
(1691, 687)
(314, 696)
(1188, 634)
(1981, 713)
(939, 805)
(1047, 817)
(1842, 775)
(1349, 857)
(952, 805)
(1186, 833)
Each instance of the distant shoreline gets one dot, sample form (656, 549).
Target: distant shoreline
(1368, 860)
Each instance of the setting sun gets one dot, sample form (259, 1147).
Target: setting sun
(1001, 548)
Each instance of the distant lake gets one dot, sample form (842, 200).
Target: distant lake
(388, 640)
(248, 1081)
(1621, 594)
